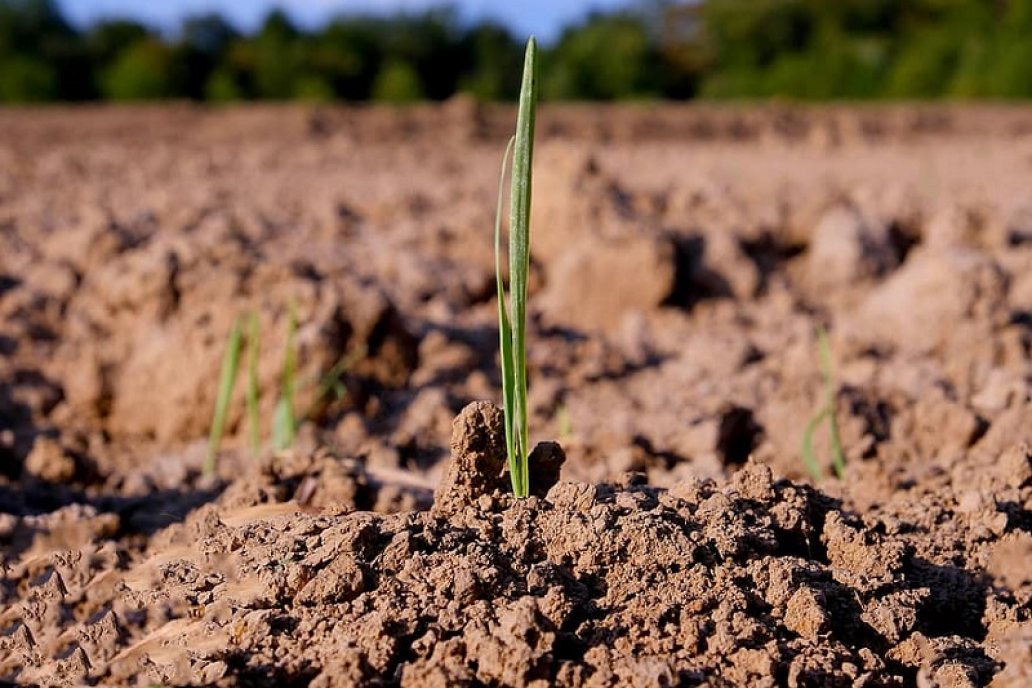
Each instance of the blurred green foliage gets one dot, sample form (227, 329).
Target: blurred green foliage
(140, 72)
(863, 49)
(609, 57)
(801, 49)
(397, 82)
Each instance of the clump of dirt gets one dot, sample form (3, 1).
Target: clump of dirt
(478, 469)
(601, 257)
(759, 581)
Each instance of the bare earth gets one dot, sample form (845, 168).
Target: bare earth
(683, 257)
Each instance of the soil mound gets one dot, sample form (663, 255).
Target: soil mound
(759, 582)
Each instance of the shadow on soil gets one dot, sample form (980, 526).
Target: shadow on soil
(31, 501)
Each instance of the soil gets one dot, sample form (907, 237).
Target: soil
(682, 260)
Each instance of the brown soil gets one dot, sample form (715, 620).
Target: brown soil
(682, 259)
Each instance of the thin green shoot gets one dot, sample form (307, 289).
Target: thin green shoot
(563, 423)
(838, 457)
(284, 423)
(809, 458)
(512, 312)
(330, 384)
(826, 412)
(253, 416)
(505, 336)
(227, 376)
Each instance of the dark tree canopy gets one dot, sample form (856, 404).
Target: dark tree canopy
(805, 49)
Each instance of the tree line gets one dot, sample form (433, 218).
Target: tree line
(803, 49)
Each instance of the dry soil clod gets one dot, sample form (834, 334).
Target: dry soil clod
(478, 465)
(477, 457)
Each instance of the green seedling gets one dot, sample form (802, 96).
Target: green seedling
(826, 412)
(253, 416)
(563, 423)
(230, 363)
(284, 423)
(330, 384)
(512, 324)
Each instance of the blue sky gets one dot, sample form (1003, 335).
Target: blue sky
(542, 17)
